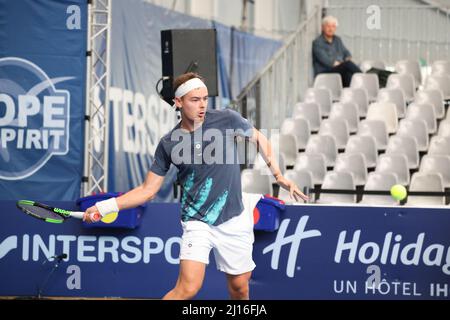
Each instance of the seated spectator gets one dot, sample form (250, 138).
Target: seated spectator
(330, 55)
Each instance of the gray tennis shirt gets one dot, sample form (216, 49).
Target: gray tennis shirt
(208, 166)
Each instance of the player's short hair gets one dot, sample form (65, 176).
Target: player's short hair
(183, 78)
(330, 20)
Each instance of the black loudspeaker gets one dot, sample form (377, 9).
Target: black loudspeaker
(188, 50)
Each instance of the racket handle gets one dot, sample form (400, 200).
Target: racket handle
(77, 214)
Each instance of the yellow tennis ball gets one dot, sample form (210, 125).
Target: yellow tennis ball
(398, 192)
(110, 218)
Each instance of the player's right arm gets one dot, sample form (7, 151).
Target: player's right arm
(135, 197)
(141, 194)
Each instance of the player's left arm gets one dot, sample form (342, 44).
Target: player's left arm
(265, 149)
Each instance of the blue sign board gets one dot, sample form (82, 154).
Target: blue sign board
(318, 252)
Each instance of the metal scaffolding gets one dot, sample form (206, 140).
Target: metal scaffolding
(96, 139)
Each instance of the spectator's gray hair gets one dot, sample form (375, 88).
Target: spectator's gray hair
(330, 19)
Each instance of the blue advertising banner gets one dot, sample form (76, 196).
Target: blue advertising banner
(353, 252)
(240, 57)
(42, 84)
(318, 252)
(139, 263)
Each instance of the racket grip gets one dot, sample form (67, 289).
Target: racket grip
(77, 214)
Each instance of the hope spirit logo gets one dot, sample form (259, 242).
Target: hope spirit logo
(34, 118)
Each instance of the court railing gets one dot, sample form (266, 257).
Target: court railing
(314, 193)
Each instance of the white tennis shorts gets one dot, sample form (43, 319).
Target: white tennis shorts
(231, 241)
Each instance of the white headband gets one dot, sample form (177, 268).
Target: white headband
(189, 85)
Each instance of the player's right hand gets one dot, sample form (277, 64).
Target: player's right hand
(91, 215)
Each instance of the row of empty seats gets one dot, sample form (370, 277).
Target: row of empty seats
(376, 181)
(372, 138)
(383, 181)
(370, 82)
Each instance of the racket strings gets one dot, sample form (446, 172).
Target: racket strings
(40, 212)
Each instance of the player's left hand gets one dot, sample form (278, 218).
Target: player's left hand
(290, 186)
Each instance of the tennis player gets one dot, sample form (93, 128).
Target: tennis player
(202, 146)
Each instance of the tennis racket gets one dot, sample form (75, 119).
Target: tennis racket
(50, 214)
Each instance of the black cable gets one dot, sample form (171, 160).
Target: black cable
(156, 87)
(162, 97)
